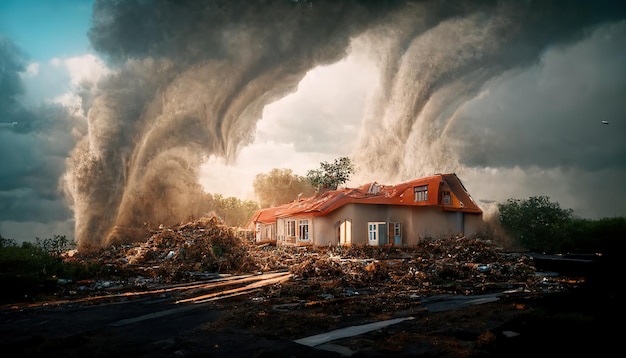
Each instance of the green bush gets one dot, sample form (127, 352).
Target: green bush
(31, 270)
(540, 225)
(56, 245)
(605, 235)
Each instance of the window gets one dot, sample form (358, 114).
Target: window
(290, 228)
(344, 232)
(303, 226)
(374, 188)
(372, 229)
(446, 198)
(397, 229)
(257, 234)
(377, 233)
(420, 193)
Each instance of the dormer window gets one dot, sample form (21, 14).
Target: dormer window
(420, 193)
(446, 199)
(374, 188)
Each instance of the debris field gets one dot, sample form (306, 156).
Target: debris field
(286, 294)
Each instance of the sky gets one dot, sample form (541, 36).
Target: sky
(116, 113)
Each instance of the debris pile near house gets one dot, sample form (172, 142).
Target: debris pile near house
(457, 265)
(179, 253)
(205, 248)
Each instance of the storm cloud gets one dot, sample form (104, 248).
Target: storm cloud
(34, 142)
(192, 78)
(551, 114)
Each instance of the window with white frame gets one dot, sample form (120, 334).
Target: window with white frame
(257, 234)
(290, 228)
(420, 193)
(303, 226)
(372, 230)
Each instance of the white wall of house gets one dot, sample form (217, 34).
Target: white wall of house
(350, 224)
(428, 222)
(417, 223)
(327, 228)
(473, 224)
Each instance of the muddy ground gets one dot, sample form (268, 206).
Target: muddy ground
(199, 290)
(574, 323)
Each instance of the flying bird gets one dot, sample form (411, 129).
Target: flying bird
(605, 122)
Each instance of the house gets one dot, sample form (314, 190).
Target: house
(373, 214)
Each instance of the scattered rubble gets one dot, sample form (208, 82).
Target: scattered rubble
(333, 298)
(206, 248)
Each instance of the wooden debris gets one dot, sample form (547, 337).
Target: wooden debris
(182, 253)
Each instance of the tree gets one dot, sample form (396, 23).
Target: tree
(331, 175)
(233, 211)
(56, 245)
(7, 242)
(604, 235)
(538, 223)
(280, 186)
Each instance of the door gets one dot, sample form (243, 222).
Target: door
(269, 232)
(395, 234)
(460, 223)
(258, 234)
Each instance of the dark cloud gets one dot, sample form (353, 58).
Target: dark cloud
(540, 131)
(12, 62)
(33, 162)
(193, 77)
(551, 115)
(34, 143)
(193, 31)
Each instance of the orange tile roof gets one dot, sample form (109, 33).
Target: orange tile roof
(373, 193)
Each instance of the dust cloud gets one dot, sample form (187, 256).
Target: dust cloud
(191, 79)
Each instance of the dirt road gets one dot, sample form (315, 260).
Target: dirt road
(160, 324)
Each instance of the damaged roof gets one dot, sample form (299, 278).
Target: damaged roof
(374, 193)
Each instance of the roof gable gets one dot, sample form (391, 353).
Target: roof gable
(461, 193)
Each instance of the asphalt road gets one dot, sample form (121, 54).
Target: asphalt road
(442, 326)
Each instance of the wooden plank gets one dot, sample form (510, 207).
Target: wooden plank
(269, 279)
